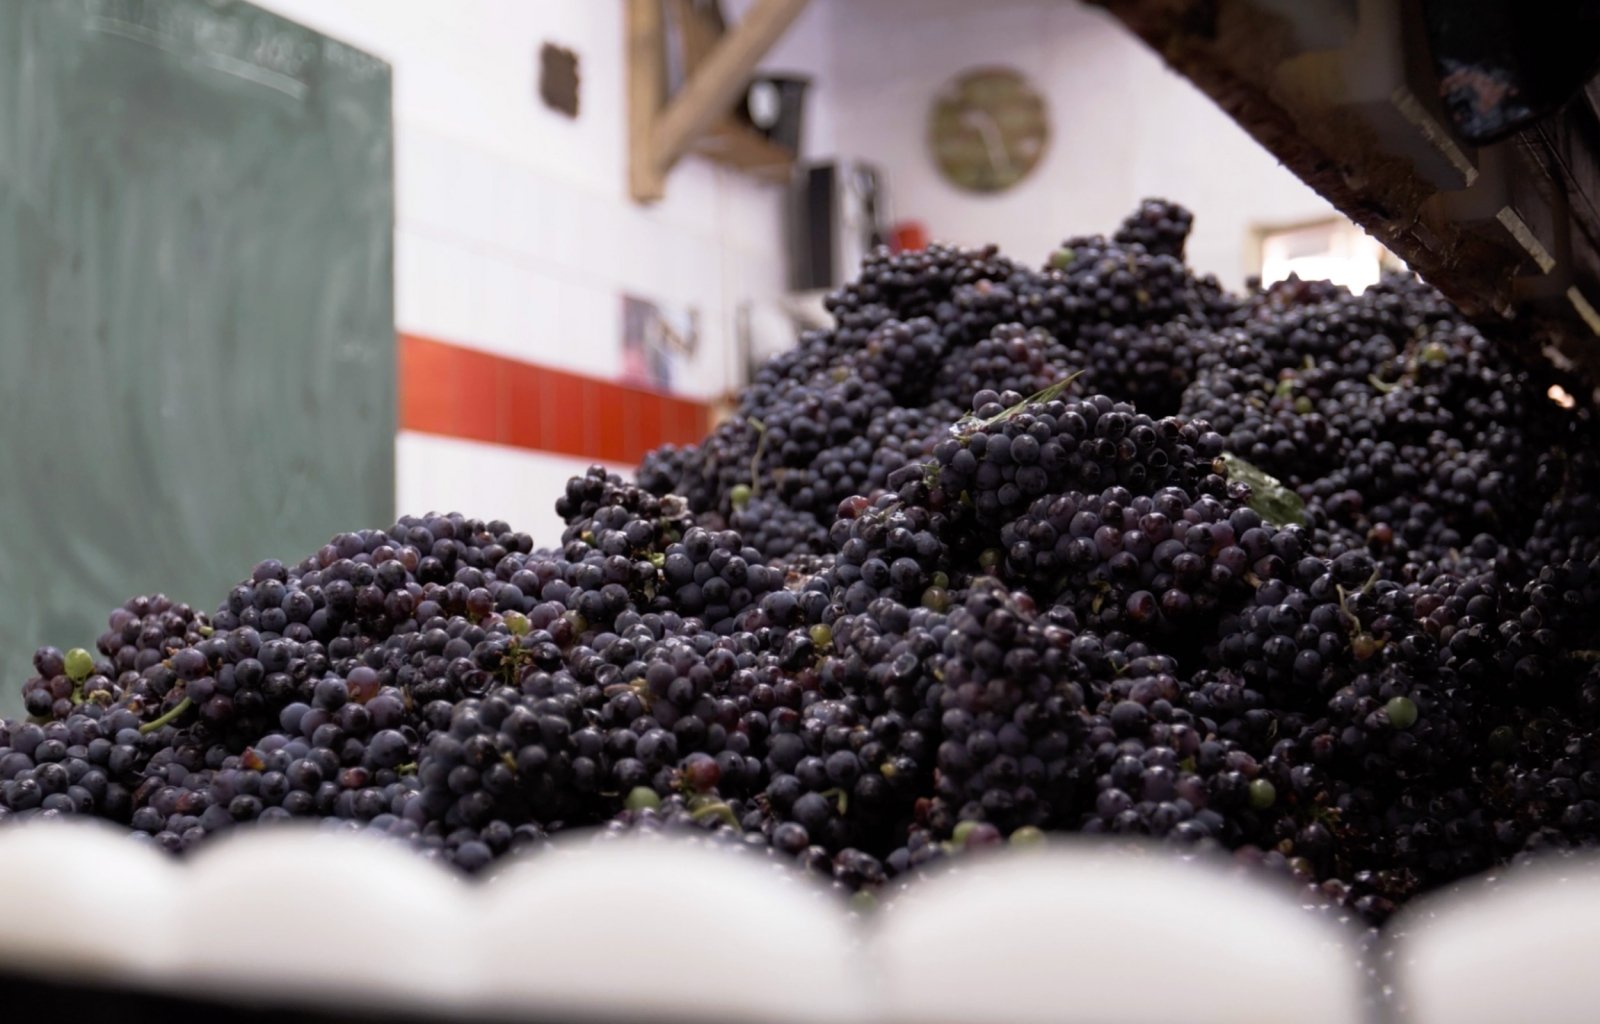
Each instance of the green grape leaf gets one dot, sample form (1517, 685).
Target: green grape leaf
(1269, 498)
(969, 425)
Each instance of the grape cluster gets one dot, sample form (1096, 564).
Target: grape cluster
(1014, 449)
(1162, 227)
(778, 531)
(1012, 358)
(1307, 576)
(1011, 702)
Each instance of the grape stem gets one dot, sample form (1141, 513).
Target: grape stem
(1049, 394)
(1344, 609)
(183, 705)
(755, 460)
(719, 810)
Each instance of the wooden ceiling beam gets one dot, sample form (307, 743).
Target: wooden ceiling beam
(661, 134)
(647, 91)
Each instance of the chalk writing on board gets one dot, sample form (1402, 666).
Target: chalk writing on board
(237, 39)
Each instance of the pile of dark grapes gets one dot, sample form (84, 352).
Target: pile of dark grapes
(1305, 576)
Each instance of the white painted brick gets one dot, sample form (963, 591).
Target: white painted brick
(587, 339)
(410, 302)
(430, 274)
(499, 285)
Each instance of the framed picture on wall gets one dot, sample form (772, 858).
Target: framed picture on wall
(658, 343)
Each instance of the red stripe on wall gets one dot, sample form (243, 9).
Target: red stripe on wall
(461, 392)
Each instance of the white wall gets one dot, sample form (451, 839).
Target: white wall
(515, 232)
(1123, 127)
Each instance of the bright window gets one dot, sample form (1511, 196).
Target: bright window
(1333, 250)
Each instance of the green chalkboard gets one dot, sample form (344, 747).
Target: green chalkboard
(196, 305)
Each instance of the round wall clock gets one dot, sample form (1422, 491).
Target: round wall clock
(987, 129)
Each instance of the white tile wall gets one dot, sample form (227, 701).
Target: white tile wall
(515, 233)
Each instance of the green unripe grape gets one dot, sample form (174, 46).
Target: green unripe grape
(80, 663)
(1402, 712)
(642, 798)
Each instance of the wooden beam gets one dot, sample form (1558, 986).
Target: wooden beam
(698, 32)
(647, 88)
(711, 89)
